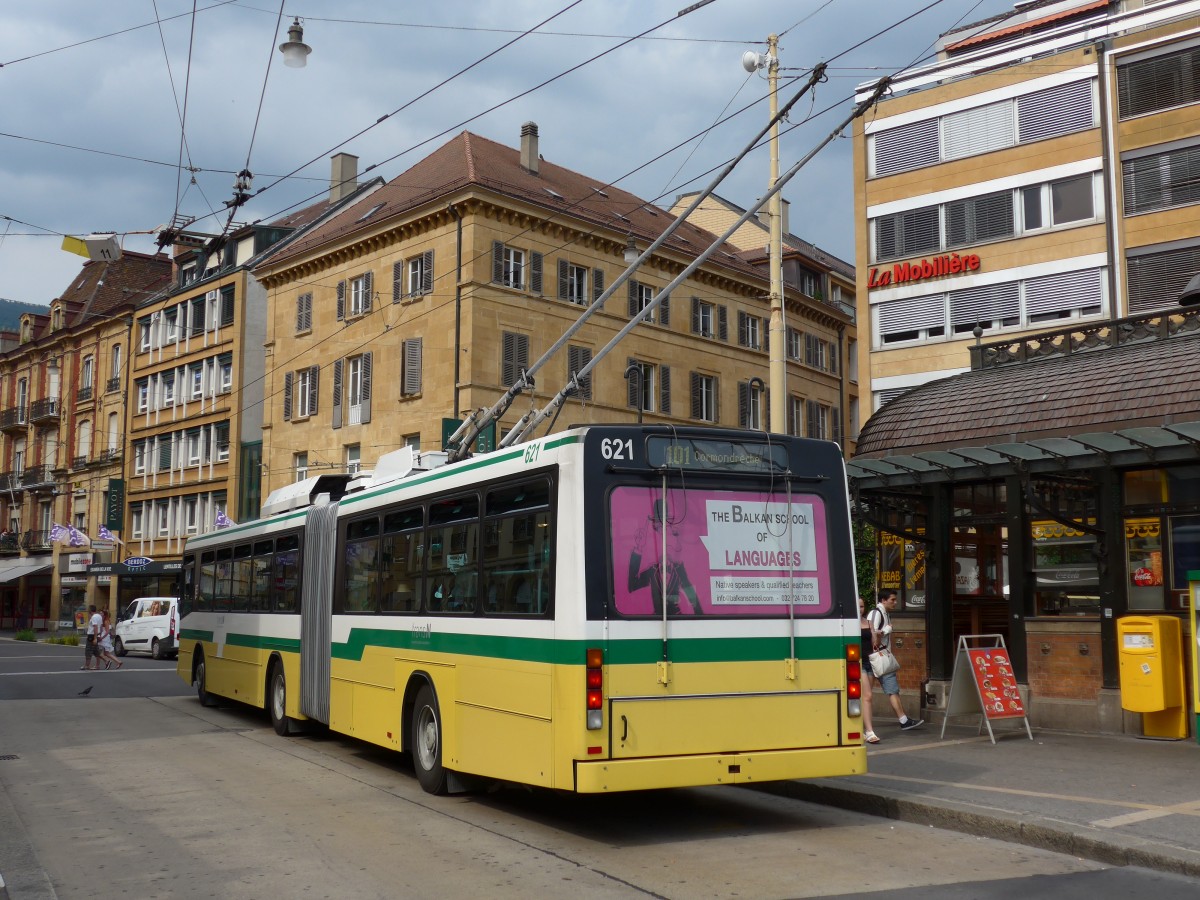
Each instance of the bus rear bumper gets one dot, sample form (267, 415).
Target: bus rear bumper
(611, 775)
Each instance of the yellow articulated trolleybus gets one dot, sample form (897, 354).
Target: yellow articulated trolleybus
(609, 608)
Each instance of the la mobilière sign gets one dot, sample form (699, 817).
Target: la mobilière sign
(938, 267)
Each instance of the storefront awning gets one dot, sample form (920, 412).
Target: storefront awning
(1147, 445)
(29, 565)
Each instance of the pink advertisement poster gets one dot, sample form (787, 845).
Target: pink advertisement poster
(728, 553)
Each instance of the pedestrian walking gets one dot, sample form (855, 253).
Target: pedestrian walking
(105, 649)
(880, 621)
(91, 642)
(869, 734)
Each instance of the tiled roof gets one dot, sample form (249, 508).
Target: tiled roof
(987, 37)
(469, 160)
(101, 287)
(1151, 383)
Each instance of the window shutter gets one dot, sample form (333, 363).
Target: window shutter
(164, 453)
(1157, 279)
(368, 291)
(411, 376)
(695, 315)
(697, 408)
(664, 389)
(633, 384)
(1162, 180)
(909, 233)
(835, 416)
(497, 262)
(1064, 292)
(563, 280)
(1054, 111)
(427, 272)
(742, 336)
(397, 281)
(337, 393)
(227, 306)
(907, 147)
(341, 301)
(287, 396)
(985, 305)
(743, 389)
(632, 287)
(314, 373)
(979, 219)
(765, 331)
(515, 359)
(597, 284)
(722, 323)
(791, 415)
(577, 359)
(366, 388)
(814, 425)
(664, 310)
(535, 272)
(913, 313)
(978, 130)
(1159, 83)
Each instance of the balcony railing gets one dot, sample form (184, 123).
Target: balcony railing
(79, 462)
(84, 393)
(10, 481)
(36, 540)
(113, 384)
(45, 410)
(13, 419)
(36, 476)
(112, 454)
(10, 542)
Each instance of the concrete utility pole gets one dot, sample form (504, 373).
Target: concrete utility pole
(777, 331)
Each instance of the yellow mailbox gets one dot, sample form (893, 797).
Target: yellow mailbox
(1148, 648)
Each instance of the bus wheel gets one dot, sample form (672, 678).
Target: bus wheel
(277, 700)
(427, 742)
(202, 694)
(119, 647)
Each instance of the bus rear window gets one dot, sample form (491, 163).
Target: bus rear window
(718, 553)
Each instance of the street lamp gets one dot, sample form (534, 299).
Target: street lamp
(295, 51)
(634, 370)
(777, 330)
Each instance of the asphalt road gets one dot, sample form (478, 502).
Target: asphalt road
(120, 793)
(39, 671)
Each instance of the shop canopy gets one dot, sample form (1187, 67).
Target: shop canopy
(27, 565)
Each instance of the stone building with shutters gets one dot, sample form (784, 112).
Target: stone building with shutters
(424, 301)
(63, 378)
(195, 393)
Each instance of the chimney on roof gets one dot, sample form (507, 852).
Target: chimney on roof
(785, 205)
(343, 176)
(764, 215)
(529, 147)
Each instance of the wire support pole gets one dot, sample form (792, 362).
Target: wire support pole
(561, 397)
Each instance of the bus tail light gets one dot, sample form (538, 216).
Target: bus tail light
(854, 679)
(595, 688)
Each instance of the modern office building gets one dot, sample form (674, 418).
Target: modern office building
(1027, 221)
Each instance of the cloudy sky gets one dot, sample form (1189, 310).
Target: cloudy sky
(92, 96)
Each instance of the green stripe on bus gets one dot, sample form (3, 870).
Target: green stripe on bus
(263, 642)
(195, 634)
(563, 652)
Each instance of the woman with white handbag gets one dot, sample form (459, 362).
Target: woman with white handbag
(884, 665)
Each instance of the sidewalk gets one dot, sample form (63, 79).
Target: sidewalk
(1115, 799)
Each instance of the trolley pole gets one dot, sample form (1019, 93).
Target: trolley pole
(777, 330)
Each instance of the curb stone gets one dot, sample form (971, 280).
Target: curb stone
(1115, 850)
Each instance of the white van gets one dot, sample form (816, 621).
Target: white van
(150, 624)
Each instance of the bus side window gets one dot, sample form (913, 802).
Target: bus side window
(285, 587)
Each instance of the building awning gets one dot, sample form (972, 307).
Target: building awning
(1127, 447)
(28, 565)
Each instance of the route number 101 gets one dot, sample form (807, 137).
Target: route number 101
(613, 448)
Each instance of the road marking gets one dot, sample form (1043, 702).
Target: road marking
(72, 672)
(1180, 809)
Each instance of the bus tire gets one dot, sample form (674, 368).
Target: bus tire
(201, 681)
(277, 700)
(427, 742)
(119, 647)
